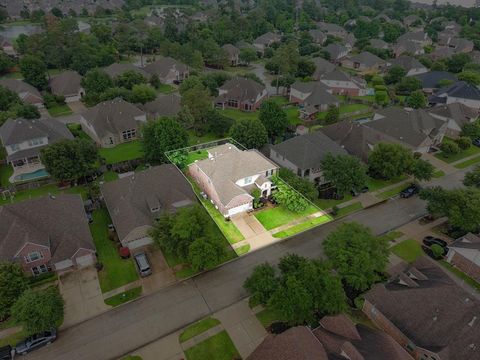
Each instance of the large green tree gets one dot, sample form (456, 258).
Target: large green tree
(12, 284)
(199, 102)
(162, 135)
(34, 71)
(345, 172)
(250, 133)
(262, 283)
(388, 161)
(204, 253)
(143, 93)
(417, 99)
(274, 118)
(472, 178)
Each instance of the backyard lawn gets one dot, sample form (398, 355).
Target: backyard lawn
(274, 217)
(166, 89)
(238, 114)
(217, 347)
(116, 271)
(127, 151)
(472, 150)
(409, 250)
(44, 191)
(5, 172)
(194, 139)
(60, 110)
(198, 328)
(110, 176)
(196, 155)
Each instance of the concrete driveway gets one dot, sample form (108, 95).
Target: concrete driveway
(83, 298)
(162, 275)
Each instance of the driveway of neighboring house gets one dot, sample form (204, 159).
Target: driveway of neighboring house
(83, 298)
(77, 107)
(69, 119)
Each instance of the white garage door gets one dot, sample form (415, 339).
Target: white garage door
(85, 260)
(239, 209)
(135, 244)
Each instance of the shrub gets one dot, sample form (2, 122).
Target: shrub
(464, 142)
(437, 251)
(449, 148)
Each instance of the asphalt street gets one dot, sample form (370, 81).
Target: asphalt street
(129, 327)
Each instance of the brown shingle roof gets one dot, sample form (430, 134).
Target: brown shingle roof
(66, 83)
(241, 89)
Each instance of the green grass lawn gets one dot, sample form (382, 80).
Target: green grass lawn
(438, 174)
(349, 108)
(198, 328)
(328, 203)
(392, 235)
(132, 357)
(76, 130)
(303, 226)
(123, 152)
(470, 281)
(369, 98)
(377, 184)
(293, 116)
(392, 192)
(242, 250)
(236, 114)
(409, 250)
(166, 89)
(110, 176)
(217, 347)
(272, 218)
(196, 155)
(467, 163)
(472, 150)
(194, 139)
(44, 191)
(349, 209)
(124, 297)
(5, 172)
(280, 100)
(116, 271)
(60, 110)
(267, 316)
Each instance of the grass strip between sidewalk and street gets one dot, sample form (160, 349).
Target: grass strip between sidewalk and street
(124, 297)
(303, 226)
(218, 347)
(198, 328)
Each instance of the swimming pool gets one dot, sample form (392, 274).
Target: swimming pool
(33, 175)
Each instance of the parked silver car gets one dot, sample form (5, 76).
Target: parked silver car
(36, 341)
(142, 264)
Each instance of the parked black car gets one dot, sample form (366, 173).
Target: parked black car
(476, 142)
(36, 341)
(431, 240)
(6, 353)
(411, 190)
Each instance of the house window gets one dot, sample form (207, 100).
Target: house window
(33, 256)
(15, 147)
(111, 140)
(232, 103)
(129, 134)
(37, 270)
(34, 142)
(247, 180)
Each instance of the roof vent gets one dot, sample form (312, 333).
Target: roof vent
(472, 321)
(435, 318)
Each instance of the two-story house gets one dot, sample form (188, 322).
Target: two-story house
(113, 122)
(67, 84)
(411, 65)
(312, 97)
(168, 70)
(341, 83)
(241, 93)
(23, 139)
(46, 233)
(364, 62)
(229, 176)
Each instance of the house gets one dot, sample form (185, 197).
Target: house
(168, 70)
(7, 46)
(432, 80)
(460, 91)
(229, 175)
(23, 139)
(336, 338)
(350, 41)
(419, 37)
(456, 115)
(379, 44)
(411, 65)
(113, 122)
(322, 66)
(341, 83)
(241, 93)
(441, 53)
(312, 97)
(332, 29)
(67, 84)
(304, 154)
(136, 201)
(336, 52)
(461, 45)
(412, 20)
(47, 233)
(364, 62)
(266, 40)
(427, 313)
(318, 36)
(116, 69)
(163, 105)
(26, 92)
(409, 47)
(232, 54)
(464, 253)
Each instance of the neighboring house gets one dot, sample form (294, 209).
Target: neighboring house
(232, 54)
(336, 51)
(337, 337)
(409, 47)
(67, 84)
(364, 62)
(441, 53)
(460, 92)
(318, 36)
(411, 20)
(304, 154)
(379, 44)
(411, 65)
(163, 105)
(266, 40)
(459, 45)
(419, 37)
(229, 175)
(341, 83)
(47, 233)
(136, 201)
(118, 69)
(332, 29)
(23, 139)
(168, 70)
(322, 66)
(456, 115)
(312, 97)
(7, 46)
(431, 80)
(26, 92)
(241, 93)
(113, 122)
(350, 41)
(464, 253)
(427, 313)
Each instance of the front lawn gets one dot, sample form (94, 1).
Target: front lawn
(116, 271)
(467, 163)
(236, 114)
(472, 150)
(392, 192)
(303, 226)
(242, 250)
(272, 218)
(267, 316)
(127, 151)
(344, 211)
(328, 203)
(198, 328)
(217, 347)
(60, 110)
(377, 184)
(124, 297)
(409, 250)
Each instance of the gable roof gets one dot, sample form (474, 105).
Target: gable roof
(241, 89)
(267, 38)
(164, 65)
(468, 241)
(317, 35)
(338, 75)
(460, 89)
(414, 36)
(431, 79)
(117, 69)
(335, 50)
(433, 311)
(458, 112)
(129, 199)
(322, 66)
(112, 117)
(379, 44)
(25, 91)
(407, 62)
(66, 83)
(231, 50)
(308, 151)
(331, 28)
(407, 46)
(368, 59)
(163, 105)
(318, 93)
(56, 222)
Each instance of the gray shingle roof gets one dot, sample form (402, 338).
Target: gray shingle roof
(242, 89)
(460, 89)
(163, 105)
(162, 66)
(129, 199)
(322, 66)
(335, 50)
(66, 83)
(458, 112)
(117, 69)
(407, 62)
(379, 44)
(231, 50)
(15, 131)
(23, 89)
(318, 91)
(368, 59)
(431, 79)
(267, 38)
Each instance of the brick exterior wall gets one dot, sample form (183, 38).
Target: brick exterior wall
(467, 266)
(29, 248)
(205, 184)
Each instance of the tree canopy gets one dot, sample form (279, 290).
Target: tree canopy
(388, 161)
(274, 118)
(160, 136)
(250, 133)
(344, 172)
(12, 284)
